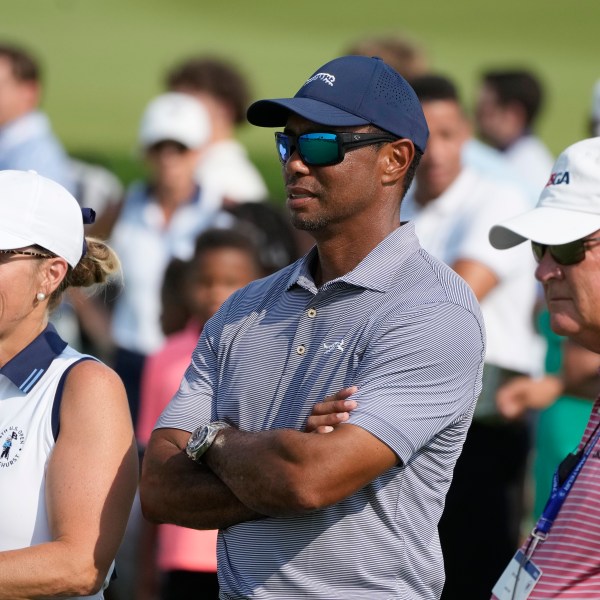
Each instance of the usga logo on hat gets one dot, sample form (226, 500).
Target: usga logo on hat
(558, 178)
(569, 205)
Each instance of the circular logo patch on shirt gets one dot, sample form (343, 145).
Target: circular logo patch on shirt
(12, 440)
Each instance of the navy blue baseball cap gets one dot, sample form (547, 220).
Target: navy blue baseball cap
(352, 91)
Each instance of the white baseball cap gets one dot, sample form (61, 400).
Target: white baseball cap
(37, 210)
(175, 117)
(569, 206)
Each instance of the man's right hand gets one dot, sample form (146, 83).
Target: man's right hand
(335, 409)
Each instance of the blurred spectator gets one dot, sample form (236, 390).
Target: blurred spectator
(225, 168)
(565, 392)
(508, 104)
(270, 229)
(175, 313)
(595, 112)
(98, 188)
(224, 261)
(453, 207)
(410, 59)
(399, 51)
(160, 219)
(26, 137)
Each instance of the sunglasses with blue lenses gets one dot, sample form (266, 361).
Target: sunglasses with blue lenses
(323, 149)
(563, 254)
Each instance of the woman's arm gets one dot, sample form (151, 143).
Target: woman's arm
(90, 483)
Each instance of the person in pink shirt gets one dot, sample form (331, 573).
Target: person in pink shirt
(224, 261)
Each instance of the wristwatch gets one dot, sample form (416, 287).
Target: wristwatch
(202, 438)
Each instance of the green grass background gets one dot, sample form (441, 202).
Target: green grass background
(104, 60)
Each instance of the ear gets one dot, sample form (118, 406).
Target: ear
(397, 157)
(53, 272)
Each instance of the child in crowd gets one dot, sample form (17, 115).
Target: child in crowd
(224, 261)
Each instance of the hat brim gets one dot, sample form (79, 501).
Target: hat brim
(10, 241)
(545, 225)
(150, 141)
(275, 113)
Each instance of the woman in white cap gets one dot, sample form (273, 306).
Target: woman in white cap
(68, 466)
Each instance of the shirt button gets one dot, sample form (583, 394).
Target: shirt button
(312, 313)
(301, 350)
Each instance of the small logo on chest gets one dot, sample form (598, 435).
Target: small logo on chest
(12, 440)
(333, 347)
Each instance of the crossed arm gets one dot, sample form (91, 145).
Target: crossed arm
(246, 476)
(90, 483)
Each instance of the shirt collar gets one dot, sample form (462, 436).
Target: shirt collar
(376, 271)
(29, 126)
(27, 367)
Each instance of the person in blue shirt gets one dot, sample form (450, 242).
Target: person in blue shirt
(27, 141)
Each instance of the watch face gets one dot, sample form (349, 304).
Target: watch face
(202, 438)
(197, 438)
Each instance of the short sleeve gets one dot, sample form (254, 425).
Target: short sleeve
(421, 374)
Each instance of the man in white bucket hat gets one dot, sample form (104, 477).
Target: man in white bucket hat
(560, 557)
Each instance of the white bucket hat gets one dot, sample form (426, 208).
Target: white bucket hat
(37, 210)
(569, 206)
(175, 117)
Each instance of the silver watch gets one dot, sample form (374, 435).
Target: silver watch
(202, 438)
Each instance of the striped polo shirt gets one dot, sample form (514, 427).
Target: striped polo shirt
(570, 557)
(406, 330)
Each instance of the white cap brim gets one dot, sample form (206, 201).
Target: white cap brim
(545, 225)
(9, 241)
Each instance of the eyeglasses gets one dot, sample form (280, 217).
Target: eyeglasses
(564, 254)
(25, 253)
(323, 149)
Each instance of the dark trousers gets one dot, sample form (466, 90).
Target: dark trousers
(129, 366)
(184, 585)
(480, 526)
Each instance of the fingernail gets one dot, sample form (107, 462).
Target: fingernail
(350, 403)
(327, 429)
(342, 416)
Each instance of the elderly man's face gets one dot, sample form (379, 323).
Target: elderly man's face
(572, 293)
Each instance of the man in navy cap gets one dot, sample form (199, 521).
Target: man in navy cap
(328, 403)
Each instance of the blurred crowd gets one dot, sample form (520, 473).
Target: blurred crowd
(202, 224)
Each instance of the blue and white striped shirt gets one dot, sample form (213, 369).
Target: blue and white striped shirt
(406, 330)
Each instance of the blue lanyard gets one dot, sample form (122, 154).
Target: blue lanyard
(559, 493)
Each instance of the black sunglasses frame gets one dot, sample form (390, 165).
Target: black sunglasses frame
(563, 254)
(344, 141)
(26, 253)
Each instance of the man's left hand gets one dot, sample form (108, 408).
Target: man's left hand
(335, 409)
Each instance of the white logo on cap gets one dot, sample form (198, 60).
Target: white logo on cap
(325, 77)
